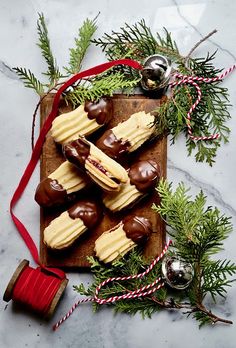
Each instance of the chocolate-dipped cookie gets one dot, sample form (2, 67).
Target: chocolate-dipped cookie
(103, 170)
(60, 186)
(127, 136)
(84, 120)
(117, 241)
(66, 228)
(143, 177)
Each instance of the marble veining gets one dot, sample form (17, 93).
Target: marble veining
(209, 190)
(189, 21)
(7, 71)
(200, 34)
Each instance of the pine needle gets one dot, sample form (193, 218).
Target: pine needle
(82, 43)
(30, 80)
(44, 43)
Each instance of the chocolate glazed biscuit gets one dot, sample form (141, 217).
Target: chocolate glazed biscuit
(127, 136)
(103, 170)
(84, 120)
(61, 186)
(66, 228)
(143, 177)
(116, 242)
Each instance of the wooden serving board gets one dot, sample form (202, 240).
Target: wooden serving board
(76, 255)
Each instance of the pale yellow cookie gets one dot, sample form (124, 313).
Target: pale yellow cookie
(136, 130)
(127, 136)
(63, 231)
(61, 185)
(69, 177)
(103, 170)
(116, 201)
(113, 244)
(120, 239)
(84, 120)
(66, 228)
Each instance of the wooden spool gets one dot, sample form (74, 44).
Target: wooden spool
(10, 287)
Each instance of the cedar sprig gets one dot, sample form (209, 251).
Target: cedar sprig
(82, 43)
(198, 232)
(53, 72)
(29, 80)
(103, 85)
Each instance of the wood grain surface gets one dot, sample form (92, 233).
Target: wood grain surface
(76, 255)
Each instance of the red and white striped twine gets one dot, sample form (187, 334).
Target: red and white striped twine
(140, 292)
(185, 79)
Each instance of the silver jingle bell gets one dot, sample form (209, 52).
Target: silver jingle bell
(177, 272)
(156, 72)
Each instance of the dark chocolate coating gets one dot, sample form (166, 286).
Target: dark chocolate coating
(101, 110)
(49, 192)
(77, 152)
(144, 175)
(87, 211)
(113, 147)
(137, 228)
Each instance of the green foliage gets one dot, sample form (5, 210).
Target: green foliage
(53, 72)
(82, 43)
(198, 233)
(137, 42)
(103, 85)
(202, 318)
(30, 80)
(210, 116)
(215, 275)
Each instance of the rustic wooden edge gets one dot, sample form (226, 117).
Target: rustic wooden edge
(10, 287)
(56, 299)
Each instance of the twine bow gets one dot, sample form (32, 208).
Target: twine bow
(140, 292)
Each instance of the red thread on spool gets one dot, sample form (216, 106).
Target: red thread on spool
(37, 289)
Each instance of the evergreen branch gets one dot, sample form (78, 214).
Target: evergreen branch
(82, 43)
(215, 277)
(98, 87)
(44, 43)
(30, 80)
(205, 316)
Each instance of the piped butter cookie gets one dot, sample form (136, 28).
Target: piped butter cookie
(84, 120)
(61, 185)
(103, 170)
(143, 177)
(117, 241)
(71, 224)
(127, 136)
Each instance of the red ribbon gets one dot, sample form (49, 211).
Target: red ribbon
(38, 147)
(36, 289)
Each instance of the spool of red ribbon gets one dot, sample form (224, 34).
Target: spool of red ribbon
(37, 289)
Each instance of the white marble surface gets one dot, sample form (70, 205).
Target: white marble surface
(188, 21)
